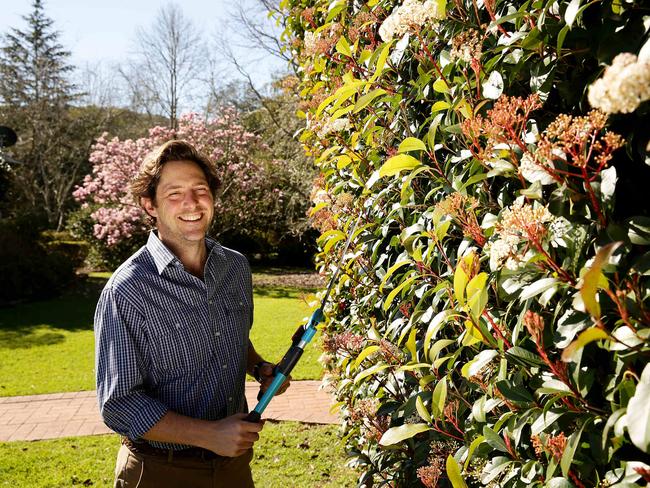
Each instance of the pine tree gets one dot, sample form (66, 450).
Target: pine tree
(35, 99)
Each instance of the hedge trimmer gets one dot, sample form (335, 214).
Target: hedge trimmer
(303, 335)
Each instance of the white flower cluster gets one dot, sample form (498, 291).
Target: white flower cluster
(412, 14)
(502, 250)
(337, 125)
(310, 43)
(518, 224)
(624, 85)
(533, 172)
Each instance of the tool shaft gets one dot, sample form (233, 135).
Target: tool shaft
(292, 356)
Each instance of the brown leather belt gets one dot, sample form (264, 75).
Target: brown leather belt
(191, 453)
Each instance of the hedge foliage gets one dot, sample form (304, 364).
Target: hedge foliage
(492, 324)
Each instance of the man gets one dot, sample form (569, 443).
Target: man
(172, 345)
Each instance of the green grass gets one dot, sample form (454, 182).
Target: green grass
(288, 455)
(48, 346)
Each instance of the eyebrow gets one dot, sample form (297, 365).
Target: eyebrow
(174, 186)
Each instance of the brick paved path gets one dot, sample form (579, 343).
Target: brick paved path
(71, 414)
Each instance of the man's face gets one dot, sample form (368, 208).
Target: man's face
(184, 206)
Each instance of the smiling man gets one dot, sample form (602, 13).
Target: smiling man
(171, 332)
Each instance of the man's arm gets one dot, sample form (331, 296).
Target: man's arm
(231, 436)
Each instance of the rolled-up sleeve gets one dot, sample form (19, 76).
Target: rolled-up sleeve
(119, 365)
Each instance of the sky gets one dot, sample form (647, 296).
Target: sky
(104, 31)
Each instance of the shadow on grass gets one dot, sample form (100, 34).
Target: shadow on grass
(282, 292)
(26, 325)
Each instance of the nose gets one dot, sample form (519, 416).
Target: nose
(190, 199)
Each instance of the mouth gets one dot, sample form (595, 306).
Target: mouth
(195, 217)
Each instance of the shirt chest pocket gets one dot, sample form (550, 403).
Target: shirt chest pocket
(239, 313)
(178, 342)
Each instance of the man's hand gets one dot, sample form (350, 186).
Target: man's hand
(266, 375)
(233, 436)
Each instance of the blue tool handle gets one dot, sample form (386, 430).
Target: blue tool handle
(289, 361)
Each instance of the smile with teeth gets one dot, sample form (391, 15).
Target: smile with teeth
(190, 217)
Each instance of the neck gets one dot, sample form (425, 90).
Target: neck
(192, 255)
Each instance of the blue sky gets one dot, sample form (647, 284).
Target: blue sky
(103, 31)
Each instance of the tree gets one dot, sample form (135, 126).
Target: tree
(35, 96)
(250, 201)
(170, 58)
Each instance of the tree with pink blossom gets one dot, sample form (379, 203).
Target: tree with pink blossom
(250, 201)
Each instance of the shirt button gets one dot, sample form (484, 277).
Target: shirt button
(210, 302)
(217, 333)
(230, 399)
(241, 303)
(225, 366)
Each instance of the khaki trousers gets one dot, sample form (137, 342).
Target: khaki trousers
(135, 470)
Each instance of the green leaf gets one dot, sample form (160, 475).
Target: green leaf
(481, 360)
(571, 12)
(494, 440)
(639, 230)
(411, 144)
(537, 287)
(440, 86)
(437, 347)
(433, 129)
(333, 240)
(518, 394)
(343, 47)
(439, 105)
(522, 356)
(570, 449)
(391, 271)
(436, 323)
(454, 474)
(391, 296)
(401, 433)
(364, 354)
(586, 336)
(560, 38)
(377, 368)
(593, 279)
(365, 100)
(472, 447)
(397, 164)
(559, 483)
(460, 282)
(422, 409)
(544, 421)
(477, 295)
(381, 61)
(439, 398)
(638, 413)
(410, 344)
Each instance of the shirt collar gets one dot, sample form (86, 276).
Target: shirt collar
(163, 257)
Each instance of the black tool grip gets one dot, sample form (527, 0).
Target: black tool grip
(253, 417)
(289, 360)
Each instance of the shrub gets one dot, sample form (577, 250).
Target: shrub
(30, 266)
(491, 326)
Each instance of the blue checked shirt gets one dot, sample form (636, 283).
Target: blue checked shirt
(166, 340)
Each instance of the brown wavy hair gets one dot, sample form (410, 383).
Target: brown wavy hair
(144, 184)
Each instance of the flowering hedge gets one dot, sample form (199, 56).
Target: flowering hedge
(492, 324)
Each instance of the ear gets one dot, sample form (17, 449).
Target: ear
(149, 207)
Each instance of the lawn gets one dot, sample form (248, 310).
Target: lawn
(308, 456)
(48, 346)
